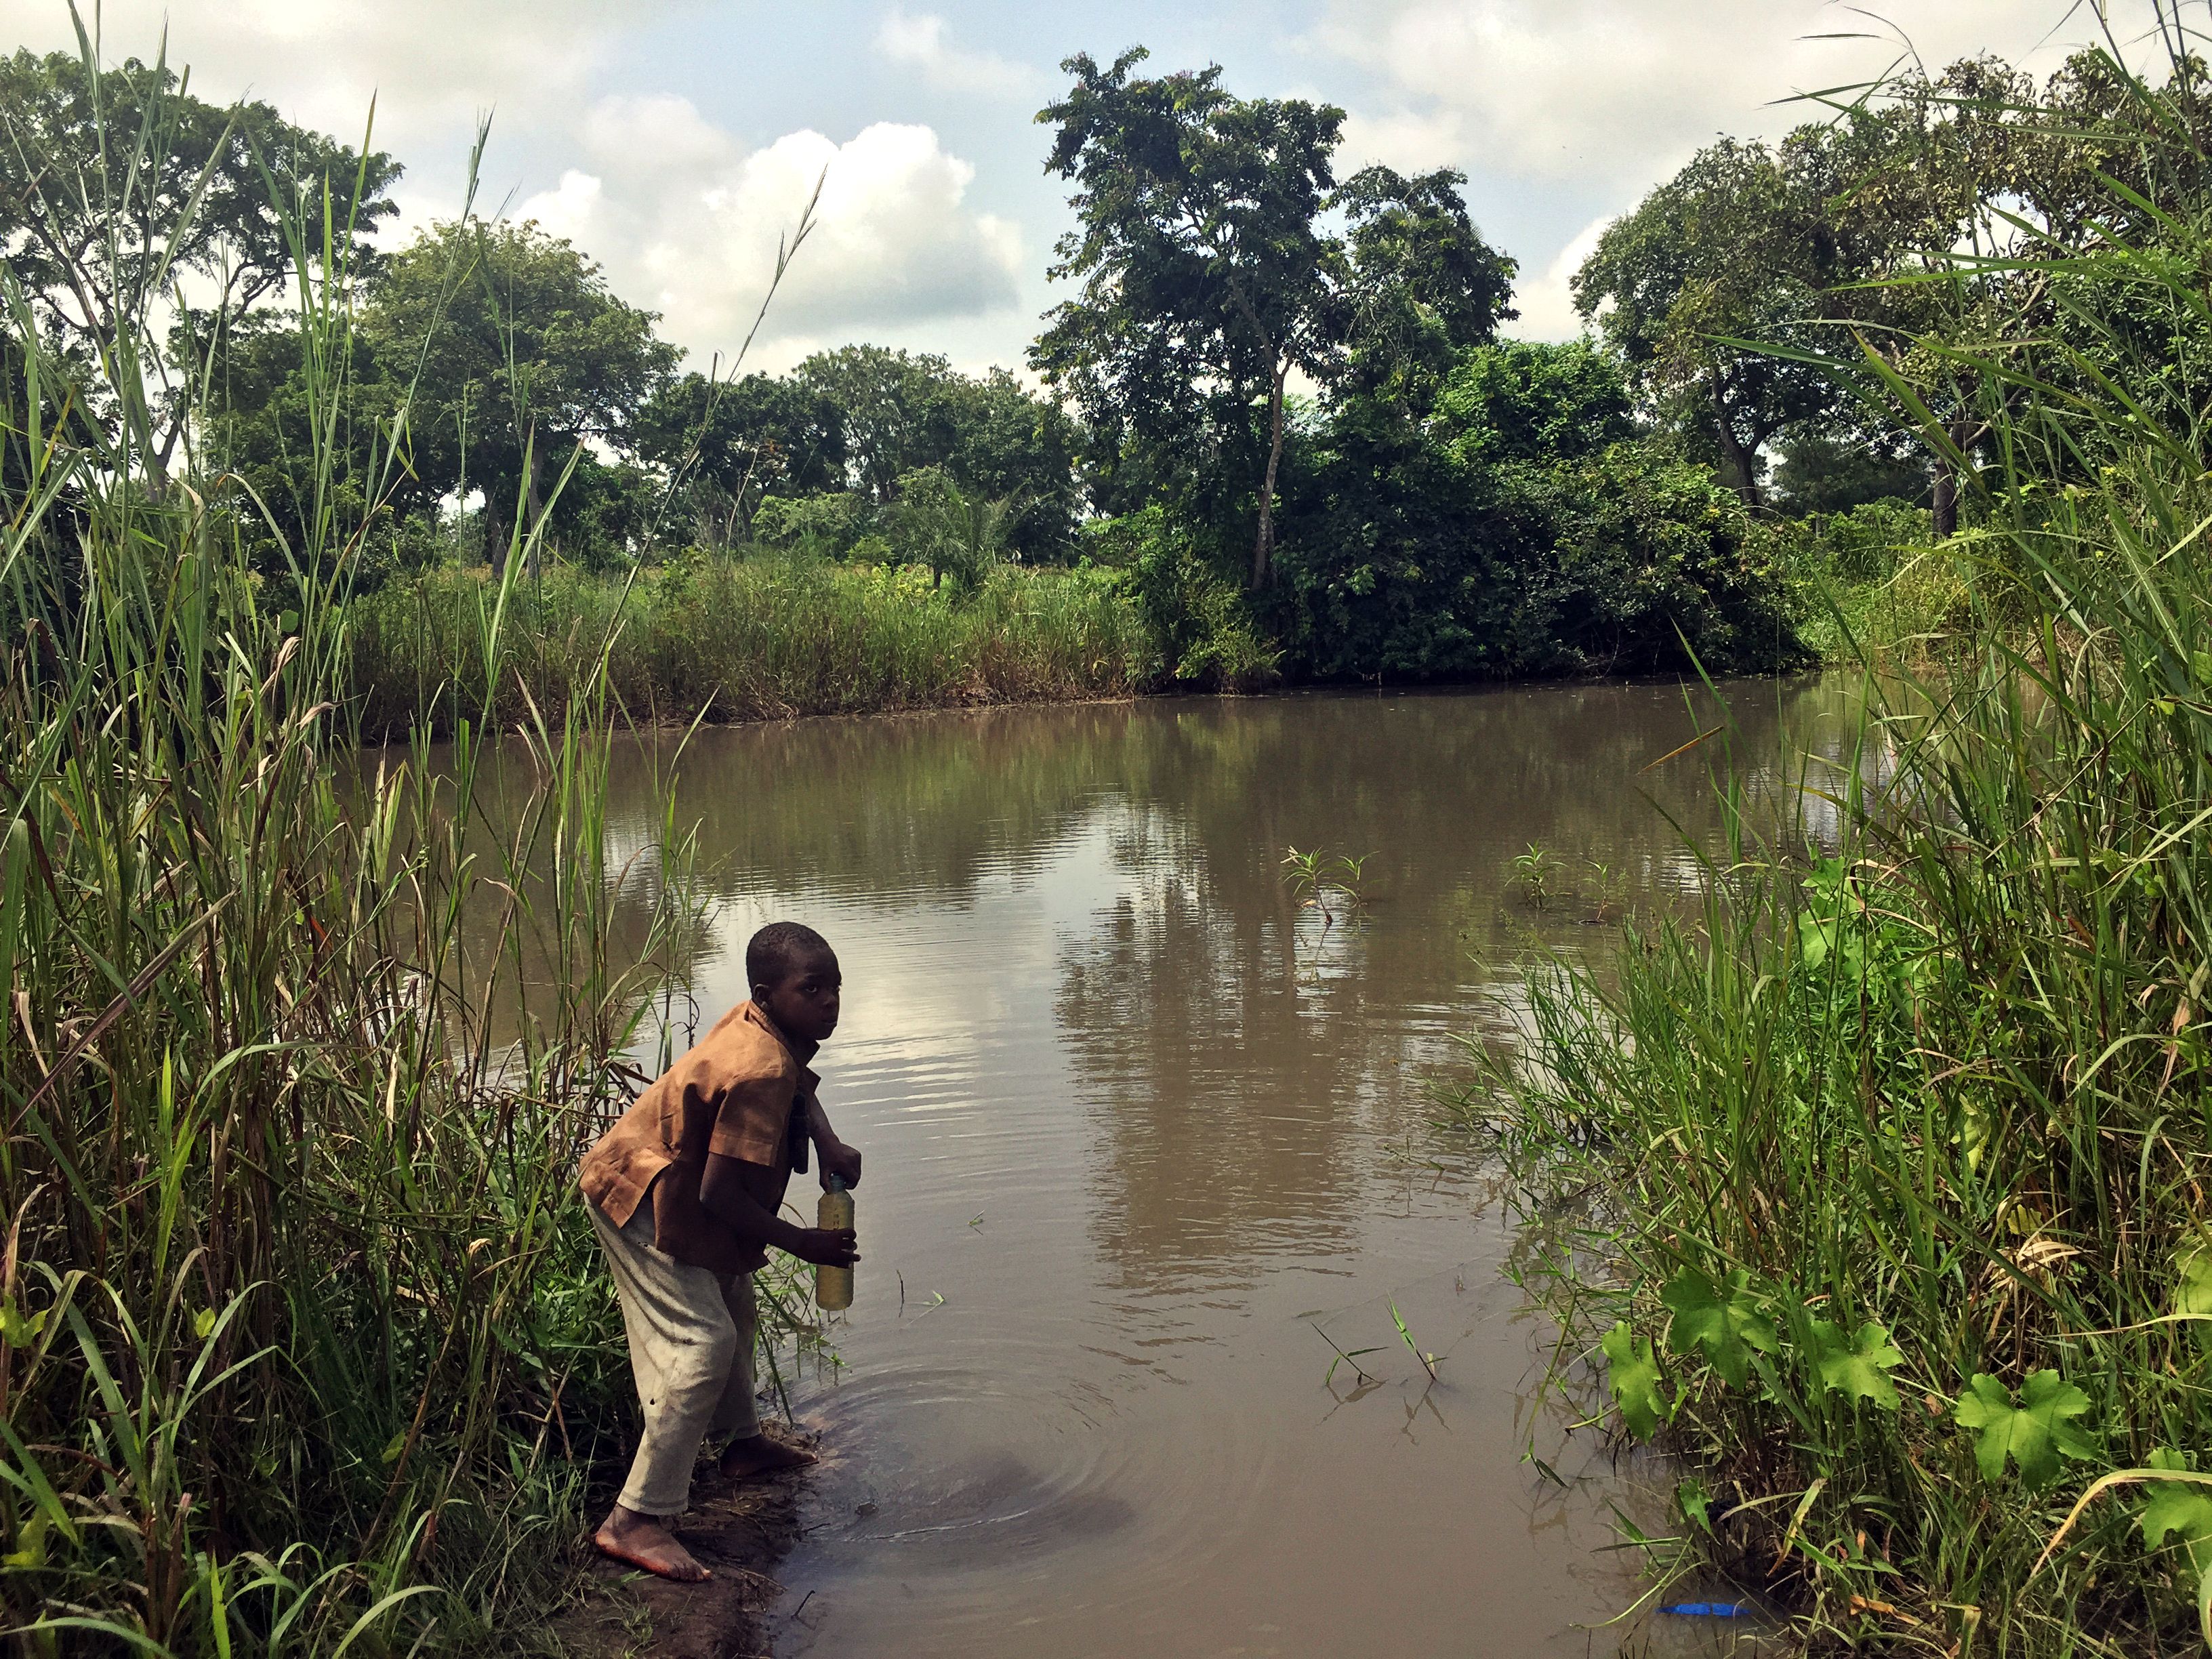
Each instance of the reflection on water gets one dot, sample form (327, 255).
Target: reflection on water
(1146, 1141)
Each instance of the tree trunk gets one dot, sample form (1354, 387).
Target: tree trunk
(1263, 549)
(494, 534)
(1744, 460)
(1944, 500)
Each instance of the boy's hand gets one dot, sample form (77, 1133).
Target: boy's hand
(826, 1247)
(840, 1160)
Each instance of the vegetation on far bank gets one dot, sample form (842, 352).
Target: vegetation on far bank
(718, 639)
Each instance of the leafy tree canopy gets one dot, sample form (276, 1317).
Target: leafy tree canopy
(905, 412)
(1207, 276)
(211, 179)
(1736, 246)
(1203, 276)
(1526, 401)
(520, 351)
(1420, 287)
(737, 442)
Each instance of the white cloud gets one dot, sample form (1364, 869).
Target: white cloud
(919, 41)
(1614, 93)
(1545, 301)
(1410, 141)
(431, 65)
(686, 221)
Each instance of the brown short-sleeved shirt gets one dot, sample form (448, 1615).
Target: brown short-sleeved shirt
(738, 1092)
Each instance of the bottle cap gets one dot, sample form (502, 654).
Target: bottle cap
(837, 1184)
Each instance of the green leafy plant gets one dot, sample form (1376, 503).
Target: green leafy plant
(1855, 1367)
(1536, 874)
(2031, 1434)
(1632, 1376)
(1726, 1324)
(1428, 1360)
(1324, 881)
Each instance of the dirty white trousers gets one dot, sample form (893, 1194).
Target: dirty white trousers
(691, 1351)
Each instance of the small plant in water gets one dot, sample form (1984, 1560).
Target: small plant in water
(1326, 882)
(1428, 1360)
(1536, 874)
(1612, 886)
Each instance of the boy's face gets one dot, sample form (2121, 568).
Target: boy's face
(804, 1002)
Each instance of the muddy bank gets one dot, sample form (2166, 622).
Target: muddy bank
(742, 1532)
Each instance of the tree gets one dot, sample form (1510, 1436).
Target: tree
(91, 160)
(1909, 183)
(1521, 528)
(1419, 286)
(306, 444)
(955, 534)
(1000, 444)
(1205, 278)
(882, 395)
(520, 351)
(1824, 472)
(1527, 401)
(740, 440)
(1737, 248)
(904, 413)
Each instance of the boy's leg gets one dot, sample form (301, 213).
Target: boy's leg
(737, 1416)
(749, 1452)
(682, 1342)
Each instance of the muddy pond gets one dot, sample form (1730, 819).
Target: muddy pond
(1145, 1138)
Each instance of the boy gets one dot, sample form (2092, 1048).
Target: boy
(683, 1192)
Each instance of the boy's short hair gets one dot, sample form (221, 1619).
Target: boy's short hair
(770, 952)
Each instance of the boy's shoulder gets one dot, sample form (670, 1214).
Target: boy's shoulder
(739, 1048)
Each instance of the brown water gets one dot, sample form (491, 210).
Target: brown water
(1142, 1136)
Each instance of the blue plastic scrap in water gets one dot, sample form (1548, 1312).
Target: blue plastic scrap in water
(1710, 1609)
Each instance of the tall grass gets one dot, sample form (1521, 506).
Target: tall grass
(744, 640)
(1888, 1171)
(301, 1345)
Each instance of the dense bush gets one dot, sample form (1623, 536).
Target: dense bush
(1521, 530)
(1204, 630)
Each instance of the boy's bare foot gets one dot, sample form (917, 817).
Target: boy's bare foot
(758, 1454)
(640, 1540)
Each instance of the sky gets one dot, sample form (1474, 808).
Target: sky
(676, 141)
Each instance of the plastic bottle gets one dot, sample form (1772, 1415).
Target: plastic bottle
(833, 1286)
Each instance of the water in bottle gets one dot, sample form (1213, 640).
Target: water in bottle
(833, 1286)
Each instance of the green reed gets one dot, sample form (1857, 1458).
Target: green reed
(1876, 1187)
(302, 1346)
(763, 638)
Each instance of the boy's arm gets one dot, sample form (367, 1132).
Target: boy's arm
(837, 1158)
(727, 1191)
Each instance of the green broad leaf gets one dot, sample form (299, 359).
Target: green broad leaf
(1854, 1366)
(2031, 1434)
(1812, 941)
(2178, 1509)
(203, 1323)
(1976, 1127)
(1632, 1374)
(1725, 1324)
(1696, 1503)
(17, 1329)
(2192, 1291)
(30, 1551)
